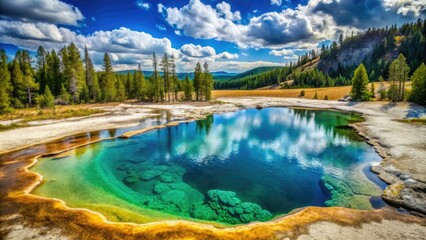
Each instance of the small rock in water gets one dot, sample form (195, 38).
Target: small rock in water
(166, 178)
(130, 179)
(161, 187)
(150, 174)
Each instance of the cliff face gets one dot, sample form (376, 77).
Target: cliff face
(351, 53)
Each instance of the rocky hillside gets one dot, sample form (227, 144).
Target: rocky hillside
(351, 54)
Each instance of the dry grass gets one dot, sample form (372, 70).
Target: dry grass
(60, 112)
(333, 93)
(418, 121)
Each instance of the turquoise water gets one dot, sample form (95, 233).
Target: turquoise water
(232, 168)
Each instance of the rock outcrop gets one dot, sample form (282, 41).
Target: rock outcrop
(350, 54)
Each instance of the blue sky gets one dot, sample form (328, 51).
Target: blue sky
(231, 35)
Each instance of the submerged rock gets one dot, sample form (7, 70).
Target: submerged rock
(226, 197)
(168, 178)
(175, 196)
(150, 174)
(229, 208)
(160, 188)
(131, 179)
(204, 212)
(173, 201)
(343, 195)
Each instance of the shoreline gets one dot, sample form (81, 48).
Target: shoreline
(195, 112)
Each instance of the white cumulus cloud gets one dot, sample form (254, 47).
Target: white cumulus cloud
(143, 5)
(406, 7)
(192, 50)
(49, 11)
(276, 2)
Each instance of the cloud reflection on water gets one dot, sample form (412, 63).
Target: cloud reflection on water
(283, 133)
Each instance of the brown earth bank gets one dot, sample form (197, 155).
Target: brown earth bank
(403, 146)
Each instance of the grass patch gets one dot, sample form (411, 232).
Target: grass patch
(333, 93)
(12, 126)
(419, 121)
(34, 114)
(60, 112)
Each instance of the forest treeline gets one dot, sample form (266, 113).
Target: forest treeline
(399, 73)
(409, 39)
(68, 78)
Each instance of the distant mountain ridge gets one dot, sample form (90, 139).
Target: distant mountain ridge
(254, 71)
(182, 75)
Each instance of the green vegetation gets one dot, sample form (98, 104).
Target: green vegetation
(4, 83)
(315, 78)
(359, 91)
(37, 114)
(408, 40)
(188, 89)
(71, 80)
(398, 75)
(46, 100)
(418, 81)
(255, 79)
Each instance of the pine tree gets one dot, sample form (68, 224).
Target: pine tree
(207, 82)
(54, 76)
(64, 95)
(316, 95)
(341, 39)
(129, 86)
(393, 77)
(84, 95)
(46, 100)
(121, 91)
(165, 67)
(5, 84)
(17, 79)
(188, 89)
(173, 78)
(156, 89)
(372, 91)
(140, 84)
(109, 90)
(41, 75)
(398, 73)
(326, 97)
(360, 81)
(28, 74)
(90, 75)
(404, 70)
(73, 71)
(418, 92)
(198, 74)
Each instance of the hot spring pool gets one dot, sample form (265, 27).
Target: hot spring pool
(230, 168)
